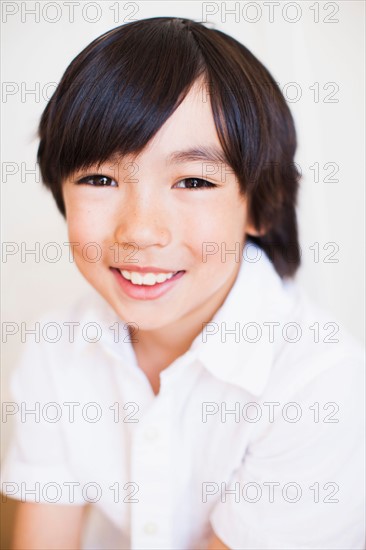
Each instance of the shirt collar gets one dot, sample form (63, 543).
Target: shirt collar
(257, 296)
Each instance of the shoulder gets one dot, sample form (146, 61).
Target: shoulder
(59, 339)
(88, 305)
(316, 357)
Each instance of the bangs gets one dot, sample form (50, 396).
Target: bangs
(117, 94)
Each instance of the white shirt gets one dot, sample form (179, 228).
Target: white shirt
(258, 438)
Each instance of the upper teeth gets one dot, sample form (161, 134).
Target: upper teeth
(146, 278)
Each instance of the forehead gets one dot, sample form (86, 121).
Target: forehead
(188, 135)
(192, 119)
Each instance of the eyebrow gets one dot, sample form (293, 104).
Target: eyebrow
(200, 153)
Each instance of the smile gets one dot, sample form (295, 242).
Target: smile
(146, 286)
(148, 279)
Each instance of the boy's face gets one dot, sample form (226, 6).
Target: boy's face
(149, 214)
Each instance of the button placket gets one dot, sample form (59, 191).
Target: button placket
(152, 470)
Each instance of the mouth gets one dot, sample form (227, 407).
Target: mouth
(146, 286)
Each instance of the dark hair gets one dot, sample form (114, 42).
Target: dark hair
(120, 90)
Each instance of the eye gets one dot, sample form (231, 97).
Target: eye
(196, 183)
(102, 181)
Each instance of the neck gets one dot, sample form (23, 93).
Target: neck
(164, 345)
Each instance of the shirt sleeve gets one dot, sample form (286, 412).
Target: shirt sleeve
(36, 466)
(301, 483)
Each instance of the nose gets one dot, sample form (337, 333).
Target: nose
(142, 220)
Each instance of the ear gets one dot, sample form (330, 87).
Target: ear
(251, 230)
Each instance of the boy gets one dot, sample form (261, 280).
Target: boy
(211, 405)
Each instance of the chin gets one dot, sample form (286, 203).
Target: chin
(144, 320)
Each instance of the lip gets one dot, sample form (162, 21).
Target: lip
(146, 292)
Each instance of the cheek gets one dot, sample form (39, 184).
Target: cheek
(218, 236)
(82, 234)
(85, 217)
(218, 222)
(82, 230)
(86, 232)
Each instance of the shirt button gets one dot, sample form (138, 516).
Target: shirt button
(150, 528)
(151, 433)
